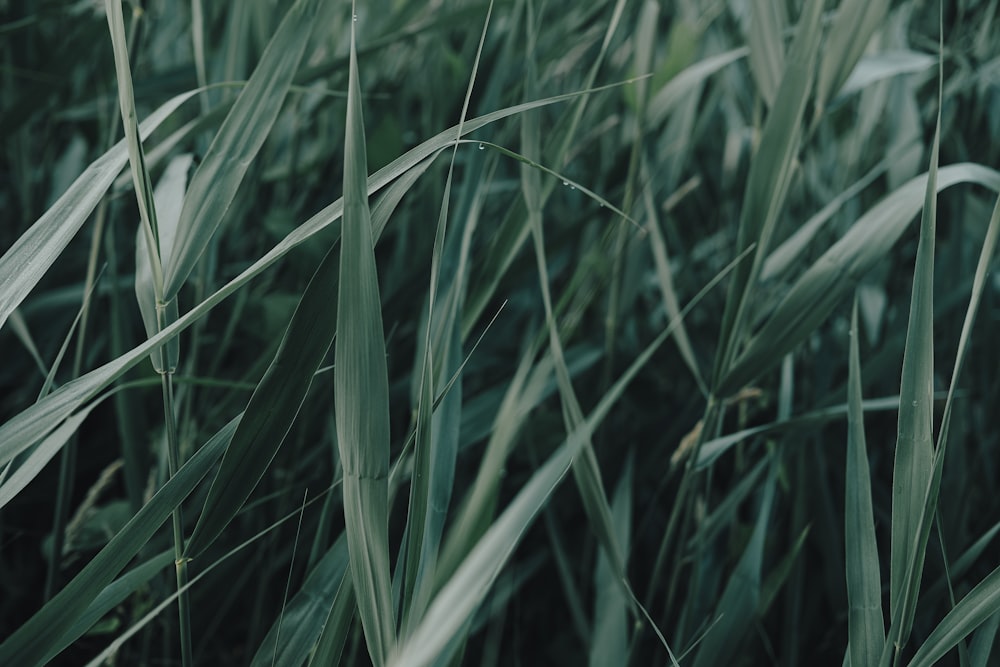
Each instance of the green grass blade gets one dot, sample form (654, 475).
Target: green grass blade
(113, 595)
(609, 644)
(767, 51)
(436, 433)
(24, 264)
(361, 400)
(914, 460)
(853, 27)
(273, 406)
(330, 644)
(302, 622)
(237, 142)
(768, 181)
(737, 609)
(30, 643)
(981, 603)
(982, 643)
(865, 623)
(831, 277)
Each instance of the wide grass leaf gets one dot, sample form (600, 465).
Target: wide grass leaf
(213, 187)
(361, 399)
(865, 623)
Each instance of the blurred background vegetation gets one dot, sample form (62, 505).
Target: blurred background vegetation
(677, 162)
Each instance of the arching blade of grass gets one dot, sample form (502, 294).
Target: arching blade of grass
(361, 400)
(831, 277)
(237, 142)
(33, 423)
(31, 642)
(112, 596)
(865, 623)
(278, 397)
(24, 264)
(330, 644)
(973, 610)
(291, 641)
(768, 181)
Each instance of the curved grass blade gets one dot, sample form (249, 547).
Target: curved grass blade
(24, 264)
(302, 622)
(361, 399)
(33, 423)
(767, 183)
(278, 397)
(30, 643)
(818, 291)
(237, 142)
(973, 610)
(865, 623)
(853, 27)
(112, 596)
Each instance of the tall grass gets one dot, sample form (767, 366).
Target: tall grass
(429, 265)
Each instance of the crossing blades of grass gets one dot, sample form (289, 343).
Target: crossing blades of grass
(237, 142)
(110, 598)
(853, 27)
(831, 277)
(361, 399)
(768, 181)
(31, 642)
(865, 623)
(290, 641)
(436, 433)
(24, 264)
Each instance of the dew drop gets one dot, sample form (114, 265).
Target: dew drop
(565, 183)
(914, 404)
(572, 187)
(481, 147)
(355, 17)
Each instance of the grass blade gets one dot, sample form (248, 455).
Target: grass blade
(866, 625)
(24, 264)
(31, 642)
(831, 277)
(361, 399)
(234, 147)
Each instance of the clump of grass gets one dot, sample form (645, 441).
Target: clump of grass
(635, 267)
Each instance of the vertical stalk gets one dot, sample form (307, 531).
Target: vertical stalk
(180, 564)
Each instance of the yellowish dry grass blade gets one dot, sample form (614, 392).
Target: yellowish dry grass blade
(865, 623)
(361, 399)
